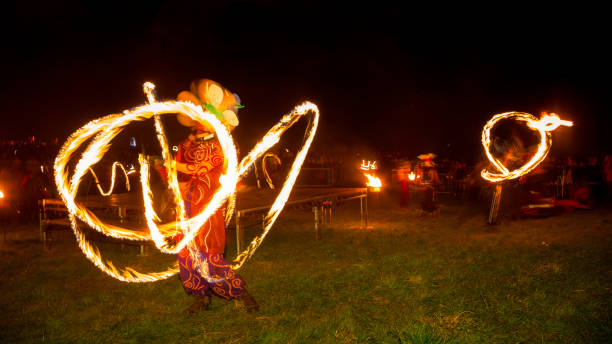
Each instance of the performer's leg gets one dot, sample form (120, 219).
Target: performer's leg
(199, 303)
(408, 195)
(193, 283)
(403, 193)
(226, 283)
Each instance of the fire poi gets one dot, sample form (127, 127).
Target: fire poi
(276, 159)
(543, 126)
(100, 132)
(113, 176)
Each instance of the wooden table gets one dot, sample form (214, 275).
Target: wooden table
(250, 202)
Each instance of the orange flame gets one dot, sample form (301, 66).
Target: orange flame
(411, 176)
(112, 185)
(373, 182)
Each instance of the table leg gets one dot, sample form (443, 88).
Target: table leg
(364, 211)
(239, 234)
(317, 220)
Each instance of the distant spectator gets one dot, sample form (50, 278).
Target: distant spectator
(607, 171)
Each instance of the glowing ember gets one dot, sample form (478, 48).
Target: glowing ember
(543, 126)
(99, 134)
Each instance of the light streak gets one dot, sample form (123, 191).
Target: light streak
(169, 162)
(112, 185)
(369, 166)
(100, 132)
(265, 171)
(543, 126)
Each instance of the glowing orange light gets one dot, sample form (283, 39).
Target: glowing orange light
(1, 194)
(373, 182)
(113, 175)
(368, 166)
(99, 133)
(543, 126)
(411, 176)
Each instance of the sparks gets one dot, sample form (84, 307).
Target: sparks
(100, 133)
(543, 126)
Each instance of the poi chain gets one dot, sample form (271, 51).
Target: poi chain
(543, 126)
(100, 133)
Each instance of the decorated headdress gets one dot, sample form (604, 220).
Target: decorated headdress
(214, 98)
(427, 159)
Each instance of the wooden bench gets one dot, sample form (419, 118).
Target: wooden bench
(52, 212)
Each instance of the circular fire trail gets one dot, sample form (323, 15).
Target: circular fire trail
(543, 126)
(100, 132)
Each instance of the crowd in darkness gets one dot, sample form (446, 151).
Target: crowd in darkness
(26, 174)
(563, 183)
(572, 182)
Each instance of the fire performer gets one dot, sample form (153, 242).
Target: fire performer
(429, 180)
(200, 162)
(403, 170)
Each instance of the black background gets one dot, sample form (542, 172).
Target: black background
(411, 78)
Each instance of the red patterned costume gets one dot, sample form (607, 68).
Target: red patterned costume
(203, 163)
(200, 164)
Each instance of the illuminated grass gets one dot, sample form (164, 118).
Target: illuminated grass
(410, 279)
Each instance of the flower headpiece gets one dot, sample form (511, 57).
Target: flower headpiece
(214, 98)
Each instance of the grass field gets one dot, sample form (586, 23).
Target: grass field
(408, 279)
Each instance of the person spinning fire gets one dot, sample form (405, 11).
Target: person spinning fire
(199, 163)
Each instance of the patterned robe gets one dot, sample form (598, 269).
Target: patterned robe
(203, 163)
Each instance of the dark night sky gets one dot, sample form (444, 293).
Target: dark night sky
(409, 78)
